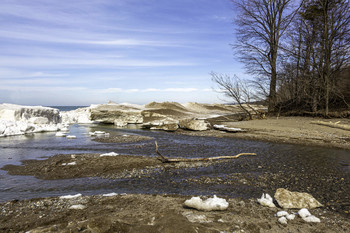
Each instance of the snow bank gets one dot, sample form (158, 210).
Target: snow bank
(19, 120)
(214, 203)
(78, 116)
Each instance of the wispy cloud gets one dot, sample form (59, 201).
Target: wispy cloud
(143, 48)
(121, 90)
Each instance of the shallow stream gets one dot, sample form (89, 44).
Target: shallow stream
(323, 172)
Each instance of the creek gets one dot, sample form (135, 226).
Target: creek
(321, 171)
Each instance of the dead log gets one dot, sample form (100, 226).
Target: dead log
(331, 124)
(176, 160)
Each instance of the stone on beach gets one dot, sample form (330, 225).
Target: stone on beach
(210, 204)
(295, 200)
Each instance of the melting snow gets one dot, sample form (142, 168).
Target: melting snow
(71, 196)
(109, 154)
(213, 203)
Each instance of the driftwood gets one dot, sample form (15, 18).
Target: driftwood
(176, 160)
(331, 124)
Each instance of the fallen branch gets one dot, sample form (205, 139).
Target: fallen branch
(331, 124)
(176, 160)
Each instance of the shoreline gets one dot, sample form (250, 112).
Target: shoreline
(290, 130)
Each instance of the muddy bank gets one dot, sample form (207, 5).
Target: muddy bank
(84, 165)
(152, 213)
(95, 165)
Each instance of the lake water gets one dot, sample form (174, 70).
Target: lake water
(67, 108)
(271, 156)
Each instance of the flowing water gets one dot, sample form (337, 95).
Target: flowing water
(272, 163)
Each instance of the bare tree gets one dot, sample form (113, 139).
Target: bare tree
(260, 26)
(322, 52)
(236, 90)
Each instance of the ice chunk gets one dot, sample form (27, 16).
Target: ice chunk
(214, 203)
(109, 194)
(266, 200)
(303, 213)
(311, 218)
(282, 213)
(77, 207)
(60, 134)
(307, 216)
(109, 154)
(80, 116)
(99, 132)
(69, 164)
(71, 137)
(71, 196)
(225, 128)
(290, 216)
(283, 220)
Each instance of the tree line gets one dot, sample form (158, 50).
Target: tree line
(298, 54)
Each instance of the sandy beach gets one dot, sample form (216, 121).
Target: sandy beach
(294, 130)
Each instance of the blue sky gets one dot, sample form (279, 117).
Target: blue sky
(80, 52)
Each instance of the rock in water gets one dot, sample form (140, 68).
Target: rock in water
(287, 199)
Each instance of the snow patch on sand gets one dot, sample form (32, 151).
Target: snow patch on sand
(210, 204)
(109, 154)
(71, 196)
